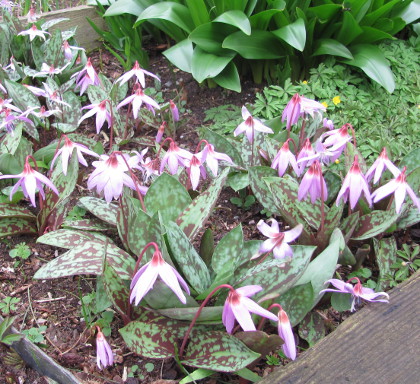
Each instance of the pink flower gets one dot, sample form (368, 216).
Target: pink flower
(250, 125)
(87, 76)
(196, 168)
(174, 111)
(110, 175)
(283, 158)
(33, 32)
(138, 73)
(337, 138)
(31, 16)
(327, 123)
(137, 99)
(161, 131)
(175, 157)
(50, 70)
(400, 188)
(310, 107)
(66, 152)
(292, 111)
(313, 183)
(239, 306)
(379, 166)
(286, 333)
(277, 242)
(104, 356)
(353, 185)
(68, 50)
(10, 120)
(5, 104)
(146, 276)
(101, 112)
(30, 180)
(357, 291)
(48, 93)
(213, 158)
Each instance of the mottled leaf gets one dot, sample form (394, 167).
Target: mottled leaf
(208, 315)
(312, 328)
(10, 142)
(224, 255)
(409, 217)
(101, 209)
(126, 215)
(93, 224)
(16, 225)
(259, 341)
(189, 261)
(116, 288)
(12, 210)
(168, 196)
(411, 160)
(53, 50)
(67, 238)
(386, 255)
(374, 223)
(260, 189)
(349, 224)
(218, 351)
(193, 218)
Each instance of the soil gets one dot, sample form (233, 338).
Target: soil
(56, 303)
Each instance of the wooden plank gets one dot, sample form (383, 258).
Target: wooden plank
(378, 344)
(85, 35)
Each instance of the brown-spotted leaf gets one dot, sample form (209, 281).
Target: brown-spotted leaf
(386, 255)
(101, 209)
(259, 341)
(93, 224)
(261, 190)
(312, 328)
(126, 215)
(68, 238)
(218, 351)
(116, 288)
(193, 218)
(348, 225)
(13, 210)
(16, 225)
(373, 224)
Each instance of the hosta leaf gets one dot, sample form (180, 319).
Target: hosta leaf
(155, 341)
(218, 351)
(100, 208)
(194, 216)
(16, 225)
(181, 55)
(209, 37)
(293, 34)
(229, 78)
(87, 259)
(260, 189)
(374, 223)
(276, 276)
(228, 247)
(332, 47)
(206, 65)
(235, 18)
(168, 196)
(11, 210)
(67, 238)
(386, 255)
(192, 266)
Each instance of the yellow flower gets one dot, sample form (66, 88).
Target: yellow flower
(324, 104)
(337, 161)
(336, 100)
(304, 82)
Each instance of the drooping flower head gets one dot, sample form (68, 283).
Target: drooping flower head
(239, 306)
(104, 356)
(292, 111)
(250, 125)
(138, 73)
(87, 76)
(277, 242)
(146, 276)
(283, 158)
(213, 158)
(286, 333)
(30, 181)
(174, 111)
(33, 32)
(337, 138)
(195, 168)
(174, 157)
(102, 114)
(357, 291)
(137, 99)
(380, 164)
(354, 185)
(399, 187)
(313, 183)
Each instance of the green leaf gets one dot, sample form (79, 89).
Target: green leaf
(16, 225)
(259, 45)
(117, 291)
(143, 230)
(372, 61)
(386, 255)
(218, 351)
(166, 10)
(371, 17)
(53, 49)
(410, 216)
(208, 315)
(10, 142)
(133, 7)
(210, 36)
(324, 12)
(68, 238)
(229, 78)
(410, 13)
(331, 47)
(349, 30)
(198, 374)
(341, 301)
(235, 18)
(224, 254)
(293, 34)
(207, 65)
(259, 341)
(374, 223)
(189, 261)
(181, 55)
(8, 210)
(411, 160)
(167, 196)
(260, 189)
(195, 215)
(100, 208)
(312, 328)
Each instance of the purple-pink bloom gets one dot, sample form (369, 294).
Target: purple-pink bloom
(353, 185)
(30, 180)
(326, 123)
(277, 242)
(87, 76)
(313, 182)
(68, 50)
(50, 70)
(310, 107)
(174, 157)
(174, 110)
(33, 32)
(357, 291)
(101, 112)
(104, 356)
(10, 120)
(146, 276)
(292, 111)
(5, 104)
(239, 306)
(213, 158)
(137, 99)
(286, 333)
(305, 156)
(138, 73)
(250, 125)
(399, 187)
(283, 158)
(66, 152)
(31, 16)
(196, 168)
(161, 131)
(380, 164)
(337, 138)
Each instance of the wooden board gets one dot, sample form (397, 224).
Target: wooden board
(377, 345)
(85, 35)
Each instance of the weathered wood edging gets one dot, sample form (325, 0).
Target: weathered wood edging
(377, 345)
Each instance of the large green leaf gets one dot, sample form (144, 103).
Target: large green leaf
(133, 7)
(235, 18)
(167, 196)
(198, 11)
(218, 351)
(411, 12)
(229, 78)
(349, 30)
(382, 10)
(331, 47)
(189, 261)
(372, 61)
(143, 230)
(181, 55)
(260, 189)
(210, 36)
(207, 65)
(293, 34)
(260, 45)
